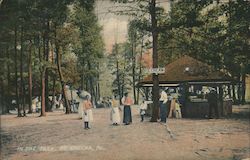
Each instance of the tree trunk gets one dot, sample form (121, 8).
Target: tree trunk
(221, 109)
(47, 105)
(46, 57)
(30, 80)
(53, 83)
(154, 31)
(133, 70)
(117, 75)
(91, 81)
(43, 113)
(16, 76)
(2, 99)
(53, 93)
(99, 92)
(21, 74)
(234, 94)
(82, 81)
(66, 102)
(96, 92)
(86, 84)
(243, 100)
(94, 101)
(146, 93)
(8, 99)
(140, 70)
(239, 93)
(185, 99)
(229, 91)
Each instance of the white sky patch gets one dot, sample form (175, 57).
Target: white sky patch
(115, 26)
(114, 30)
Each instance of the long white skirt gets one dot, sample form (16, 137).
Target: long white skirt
(80, 114)
(115, 115)
(88, 117)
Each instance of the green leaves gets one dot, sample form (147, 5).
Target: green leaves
(217, 33)
(89, 47)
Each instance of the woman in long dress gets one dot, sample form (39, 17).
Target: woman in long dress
(87, 112)
(115, 112)
(163, 106)
(127, 101)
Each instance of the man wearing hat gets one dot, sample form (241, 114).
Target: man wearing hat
(213, 103)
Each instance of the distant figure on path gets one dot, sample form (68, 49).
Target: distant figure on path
(115, 111)
(143, 108)
(178, 109)
(213, 103)
(127, 101)
(87, 112)
(172, 108)
(163, 106)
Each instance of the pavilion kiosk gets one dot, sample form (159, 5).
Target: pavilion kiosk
(191, 79)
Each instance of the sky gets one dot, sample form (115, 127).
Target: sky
(114, 26)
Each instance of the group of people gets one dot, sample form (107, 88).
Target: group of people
(87, 114)
(169, 107)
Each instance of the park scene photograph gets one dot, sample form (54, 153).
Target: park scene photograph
(125, 80)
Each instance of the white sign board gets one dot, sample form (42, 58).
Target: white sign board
(156, 70)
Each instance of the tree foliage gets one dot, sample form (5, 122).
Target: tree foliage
(48, 31)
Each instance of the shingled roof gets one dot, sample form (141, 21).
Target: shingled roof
(188, 69)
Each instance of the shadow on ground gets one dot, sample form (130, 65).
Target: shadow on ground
(6, 140)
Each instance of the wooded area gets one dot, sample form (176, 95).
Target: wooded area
(45, 45)
(216, 32)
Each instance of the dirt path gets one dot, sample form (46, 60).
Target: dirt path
(59, 136)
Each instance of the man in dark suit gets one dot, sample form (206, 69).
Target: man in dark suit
(212, 99)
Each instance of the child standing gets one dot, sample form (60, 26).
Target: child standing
(87, 112)
(143, 108)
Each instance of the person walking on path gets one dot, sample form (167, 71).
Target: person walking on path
(143, 108)
(163, 106)
(127, 102)
(87, 112)
(115, 111)
(213, 103)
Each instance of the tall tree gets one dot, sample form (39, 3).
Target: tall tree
(145, 9)
(216, 32)
(120, 65)
(90, 47)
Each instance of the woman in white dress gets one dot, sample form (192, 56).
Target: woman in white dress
(80, 97)
(115, 111)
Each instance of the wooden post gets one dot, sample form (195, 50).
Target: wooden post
(184, 107)
(220, 105)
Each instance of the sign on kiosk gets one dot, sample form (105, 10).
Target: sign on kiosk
(156, 70)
